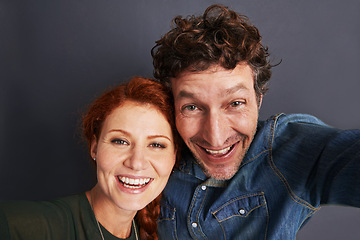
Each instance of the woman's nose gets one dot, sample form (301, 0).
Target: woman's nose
(136, 159)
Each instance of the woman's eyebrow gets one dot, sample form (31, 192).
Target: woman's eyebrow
(158, 136)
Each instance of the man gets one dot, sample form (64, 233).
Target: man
(241, 178)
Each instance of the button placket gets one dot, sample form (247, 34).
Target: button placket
(194, 212)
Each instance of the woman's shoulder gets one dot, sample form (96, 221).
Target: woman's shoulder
(71, 202)
(42, 218)
(63, 205)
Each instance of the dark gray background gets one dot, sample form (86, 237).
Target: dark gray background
(56, 56)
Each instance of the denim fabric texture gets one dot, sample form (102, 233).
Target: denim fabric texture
(294, 164)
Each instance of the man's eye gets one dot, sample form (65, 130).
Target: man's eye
(190, 108)
(157, 145)
(119, 141)
(236, 103)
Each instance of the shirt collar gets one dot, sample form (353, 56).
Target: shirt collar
(190, 166)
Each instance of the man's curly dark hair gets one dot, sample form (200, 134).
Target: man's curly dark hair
(219, 37)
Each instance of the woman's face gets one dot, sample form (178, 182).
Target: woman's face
(135, 155)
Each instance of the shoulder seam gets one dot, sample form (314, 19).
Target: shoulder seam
(293, 196)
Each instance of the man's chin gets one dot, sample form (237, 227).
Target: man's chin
(219, 172)
(222, 175)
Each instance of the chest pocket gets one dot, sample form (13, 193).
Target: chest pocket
(167, 222)
(244, 217)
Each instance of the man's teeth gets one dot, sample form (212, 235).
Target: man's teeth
(134, 183)
(222, 151)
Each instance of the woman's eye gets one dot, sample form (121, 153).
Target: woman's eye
(119, 141)
(157, 145)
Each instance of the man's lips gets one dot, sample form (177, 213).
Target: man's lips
(217, 156)
(220, 152)
(134, 183)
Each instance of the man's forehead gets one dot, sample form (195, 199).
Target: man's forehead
(215, 80)
(212, 69)
(189, 92)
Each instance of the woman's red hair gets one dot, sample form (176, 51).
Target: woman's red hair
(144, 91)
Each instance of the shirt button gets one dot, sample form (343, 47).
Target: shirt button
(203, 188)
(242, 211)
(194, 224)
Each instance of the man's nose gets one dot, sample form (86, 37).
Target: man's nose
(136, 159)
(215, 129)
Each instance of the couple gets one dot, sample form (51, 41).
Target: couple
(238, 178)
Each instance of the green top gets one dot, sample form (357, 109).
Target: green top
(64, 218)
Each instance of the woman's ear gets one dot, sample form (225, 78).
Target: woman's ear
(93, 148)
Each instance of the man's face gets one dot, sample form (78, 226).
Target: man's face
(216, 115)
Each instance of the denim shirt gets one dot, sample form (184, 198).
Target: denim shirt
(294, 164)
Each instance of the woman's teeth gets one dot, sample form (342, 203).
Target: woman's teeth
(134, 182)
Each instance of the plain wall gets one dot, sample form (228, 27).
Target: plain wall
(57, 56)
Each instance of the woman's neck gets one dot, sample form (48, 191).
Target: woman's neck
(117, 221)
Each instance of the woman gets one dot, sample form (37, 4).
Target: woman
(132, 139)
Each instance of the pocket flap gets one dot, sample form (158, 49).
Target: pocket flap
(241, 206)
(166, 212)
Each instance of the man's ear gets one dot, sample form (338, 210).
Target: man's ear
(260, 101)
(93, 148)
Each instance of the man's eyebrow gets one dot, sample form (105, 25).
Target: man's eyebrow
(185, 94)
(234, 89)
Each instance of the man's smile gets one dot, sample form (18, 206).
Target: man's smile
(219, 153)
(217, 156)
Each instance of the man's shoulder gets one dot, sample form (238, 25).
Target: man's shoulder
(280, 123)
(285, 126)
(284, 119)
